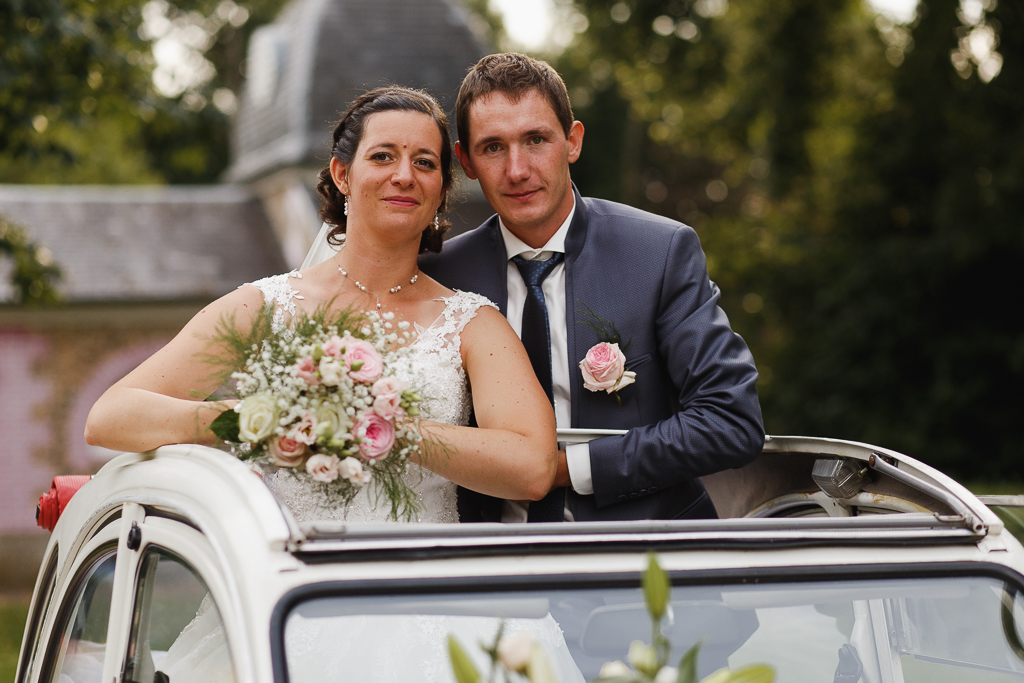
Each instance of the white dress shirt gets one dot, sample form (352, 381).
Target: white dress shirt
(577, 455)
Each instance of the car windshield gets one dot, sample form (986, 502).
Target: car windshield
(926, 629)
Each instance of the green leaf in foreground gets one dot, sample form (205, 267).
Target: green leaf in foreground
(656, 588)
(225, 426)
(755, 673)
(462, 665)
(688, 665)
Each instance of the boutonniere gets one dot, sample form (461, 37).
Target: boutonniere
(604, 367)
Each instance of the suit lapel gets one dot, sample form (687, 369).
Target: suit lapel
(494, 284)
(575, 286)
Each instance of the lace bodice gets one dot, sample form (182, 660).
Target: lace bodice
(434, 368)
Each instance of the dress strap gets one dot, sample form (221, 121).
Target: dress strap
(277, 290)
(459, 309)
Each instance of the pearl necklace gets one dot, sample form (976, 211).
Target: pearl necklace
(362, 288)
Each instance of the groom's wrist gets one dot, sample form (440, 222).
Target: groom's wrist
(562, 477)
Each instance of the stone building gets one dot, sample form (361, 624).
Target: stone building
(138, 262)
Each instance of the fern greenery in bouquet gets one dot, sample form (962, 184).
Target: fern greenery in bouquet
(323, 400)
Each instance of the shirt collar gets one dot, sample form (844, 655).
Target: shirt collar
(516, 247)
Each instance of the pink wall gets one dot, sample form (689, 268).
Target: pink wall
(21, 432)
(25, 435)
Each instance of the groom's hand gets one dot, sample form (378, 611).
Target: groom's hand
(562, 473)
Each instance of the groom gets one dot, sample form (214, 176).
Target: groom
(571, 272)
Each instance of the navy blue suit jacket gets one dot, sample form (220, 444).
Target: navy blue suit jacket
(693, 409)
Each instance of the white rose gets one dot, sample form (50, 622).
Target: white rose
(332, 421)
(257, 417)
(331, 371)
(514, 651)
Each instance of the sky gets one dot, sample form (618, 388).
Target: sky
(529, 22)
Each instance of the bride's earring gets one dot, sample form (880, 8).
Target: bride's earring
(437, 222)
(346, 206)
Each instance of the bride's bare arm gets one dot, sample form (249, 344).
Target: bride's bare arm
(513, 454)
(161, 401)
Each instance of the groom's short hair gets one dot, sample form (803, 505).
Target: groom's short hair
(513, 74)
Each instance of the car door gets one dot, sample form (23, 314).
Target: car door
(131, 602)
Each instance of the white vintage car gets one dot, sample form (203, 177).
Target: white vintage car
(833, 562)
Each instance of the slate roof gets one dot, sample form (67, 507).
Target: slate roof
(327, 52)
(133, 243)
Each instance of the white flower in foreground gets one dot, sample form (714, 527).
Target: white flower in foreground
(514, 651)
(257, 417)
(668, 674)
(614, 669)
(642, 656)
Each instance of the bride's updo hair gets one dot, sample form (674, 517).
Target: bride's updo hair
(348, 132)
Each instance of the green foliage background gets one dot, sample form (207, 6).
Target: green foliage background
(855, 193)
(868, 240)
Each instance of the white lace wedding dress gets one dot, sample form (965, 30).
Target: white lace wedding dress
(396, 648)
(435, 369)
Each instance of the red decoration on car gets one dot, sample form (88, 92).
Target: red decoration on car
(52, 504)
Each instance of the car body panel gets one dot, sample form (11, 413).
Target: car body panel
(213, 511)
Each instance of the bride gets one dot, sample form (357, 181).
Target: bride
(385, 193)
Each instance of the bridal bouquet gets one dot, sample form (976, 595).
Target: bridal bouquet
(322, 401)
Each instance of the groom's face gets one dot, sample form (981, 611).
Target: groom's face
(521, 155)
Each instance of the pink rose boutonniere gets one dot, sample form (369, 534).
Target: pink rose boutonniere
(604, 369)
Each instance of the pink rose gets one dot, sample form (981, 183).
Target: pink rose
(604, 369)
(378, 438)
(286, 452)
(305, 430)
(388, 385)
(388, 406)
(323, 467)
(388, 392)
(363, 361)
(306, 369)
(352, 470)
(332, 347)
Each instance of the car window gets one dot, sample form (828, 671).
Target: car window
(177, 633)
(79, 658)
(924, 630)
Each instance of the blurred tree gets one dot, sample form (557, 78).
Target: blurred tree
(852, 182)
(83, 99)
(910, 329)
(33, 273)
(72, 77)
(78, 102)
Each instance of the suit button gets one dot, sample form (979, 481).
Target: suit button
(652, 489)
(633, 495)
(622, 498)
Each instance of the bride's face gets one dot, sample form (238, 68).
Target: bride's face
(394, 181)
